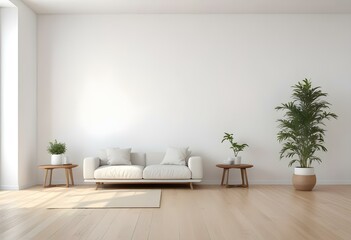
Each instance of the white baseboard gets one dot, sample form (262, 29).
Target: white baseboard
(257, 182)
(217, 182)
(15, 187)
(26, 186)
(277, 182)
(9, 187)
(333, 182)
(203, 182)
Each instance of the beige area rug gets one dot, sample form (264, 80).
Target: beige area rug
(121, 198)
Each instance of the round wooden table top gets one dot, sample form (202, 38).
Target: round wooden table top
(50, 166)
(227, 166)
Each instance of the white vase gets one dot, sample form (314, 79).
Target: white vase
(229, 161)
(56, 159)
(64, 159)
(237, 160)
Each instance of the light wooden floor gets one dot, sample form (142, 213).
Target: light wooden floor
(207, 212)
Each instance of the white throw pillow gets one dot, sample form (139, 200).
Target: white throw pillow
(117, 156)
(175, 156)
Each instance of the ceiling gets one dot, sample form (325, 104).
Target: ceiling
(188, 6)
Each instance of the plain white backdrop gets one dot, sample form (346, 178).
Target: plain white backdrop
(18, 158)
(9, 98)
(152, 81)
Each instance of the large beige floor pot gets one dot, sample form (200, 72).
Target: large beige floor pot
(304, 179)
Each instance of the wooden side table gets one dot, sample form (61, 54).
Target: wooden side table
(242, 167)
(50, 168)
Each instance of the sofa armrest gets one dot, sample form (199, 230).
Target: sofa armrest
(195, 166)
(89, 166)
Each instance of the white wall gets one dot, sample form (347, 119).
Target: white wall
(0, 98)
(18, 97)
(149, 81)
(27, 95)
(9, 99)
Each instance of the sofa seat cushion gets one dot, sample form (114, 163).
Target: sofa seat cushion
(166, 172)
(119, 172)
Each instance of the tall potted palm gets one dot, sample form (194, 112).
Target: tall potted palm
(302, 131)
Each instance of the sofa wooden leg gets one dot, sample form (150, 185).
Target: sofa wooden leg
(97, 185)
(191, 186)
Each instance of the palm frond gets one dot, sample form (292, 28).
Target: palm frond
(302, 128)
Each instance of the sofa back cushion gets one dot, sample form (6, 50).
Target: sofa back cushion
(154, 158)
(103, 157)
(136, 158)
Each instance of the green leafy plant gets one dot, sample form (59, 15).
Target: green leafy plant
(234, 145)
(56, 147)
(302, 132)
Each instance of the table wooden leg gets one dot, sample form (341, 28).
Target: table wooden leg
(227, 178)
(247, 182)
(67, 177)
(50, 176)
(223, 176)
(71, 174)
(46, 176)
(242, 177)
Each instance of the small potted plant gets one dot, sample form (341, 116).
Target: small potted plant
(302, 131)
(236, 147)
(56, 150)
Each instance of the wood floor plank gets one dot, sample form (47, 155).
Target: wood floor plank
(220, 221)
(122, 227)
(206, 213)
(42, 226)
(24, 226)
(101, 228)
(164, 224)
(67, 230)
(87, 225)
(57, 224)
(190, 218)
(142, 228)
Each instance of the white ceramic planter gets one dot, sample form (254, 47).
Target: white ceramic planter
(65, 159)
(237, 160)
(304, 171)
(229, 161)
(56, 159)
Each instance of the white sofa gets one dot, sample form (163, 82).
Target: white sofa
(145, 168)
